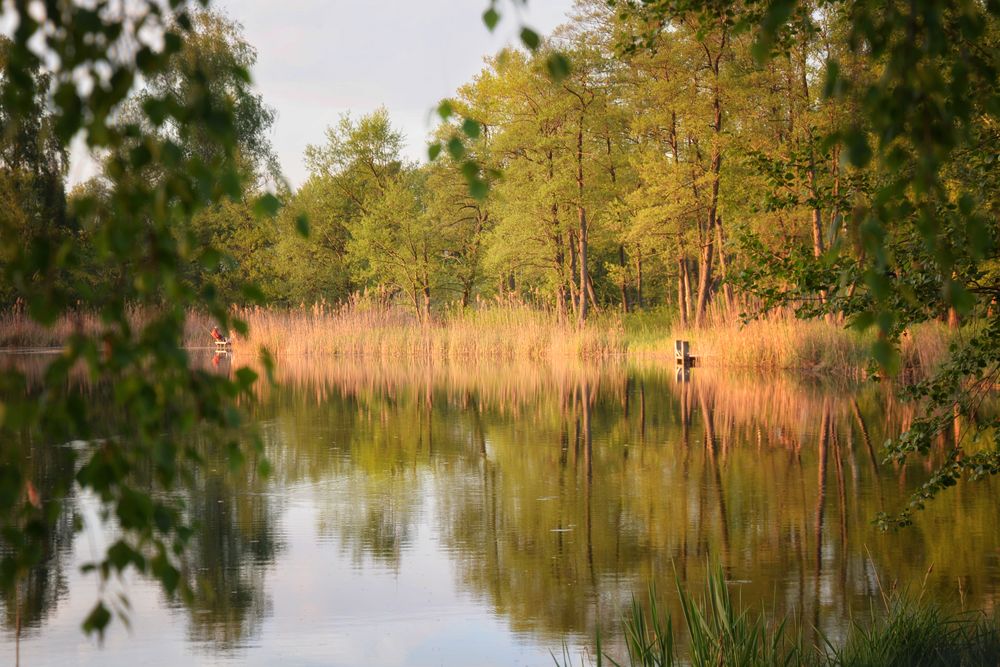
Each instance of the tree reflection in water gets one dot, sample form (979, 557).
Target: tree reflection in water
(557, 491)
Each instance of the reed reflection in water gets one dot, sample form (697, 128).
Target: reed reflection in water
(533, 500)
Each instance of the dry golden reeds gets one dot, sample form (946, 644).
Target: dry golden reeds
(779, 340)
(510, 329)
(359, 328)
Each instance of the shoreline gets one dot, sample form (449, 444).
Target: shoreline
(509, 332)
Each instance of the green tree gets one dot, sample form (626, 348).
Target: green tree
(400, 236)
(919, 125)
(312, 268)
(214, 60)
(32, 167)
(137, 223)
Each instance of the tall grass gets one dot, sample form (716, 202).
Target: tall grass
(510, 329)
(715, 631)
(779, 340)
(502, 330)
(19, 332)
(911, 634)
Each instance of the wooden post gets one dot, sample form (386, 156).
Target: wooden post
(682, 353)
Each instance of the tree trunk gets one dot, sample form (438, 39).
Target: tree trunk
(582, 215)
(638, 278)
(727, 289)
(559, 257)
(624, 285)
(573, 291)
(954, 321)
(688, 292)
(705, 275)
(426, 289)
(682, 307)
(708, 248)
(817, 217)
(415, 298)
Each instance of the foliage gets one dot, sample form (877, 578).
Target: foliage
(172, 153)
(717, 632)
(909, 633)
(897, 151)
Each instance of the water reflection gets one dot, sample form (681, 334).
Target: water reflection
(550, 494)
(26, 609)
(234, 544)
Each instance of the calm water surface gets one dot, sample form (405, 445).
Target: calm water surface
(472, 514)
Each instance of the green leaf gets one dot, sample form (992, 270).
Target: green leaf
(456, 148)
(267, 361)
(302, 225)
(210, 258)
(168, 575)
(235, 457)
(491, 17)
(445, 109)
(97, 620)
(472, 128)
(246, 377)
(858, 151)
(253, 293)
(558, 66)
(886, 355)
(479, 189)
(267, 205)
(122, 555)
(832, 85)
(530, 38)
(434, 150)
(862, 321)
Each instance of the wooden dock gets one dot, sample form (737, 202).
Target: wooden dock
(682, 354)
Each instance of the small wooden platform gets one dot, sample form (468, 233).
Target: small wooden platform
(682, 354)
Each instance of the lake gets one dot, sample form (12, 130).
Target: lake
(487, 514)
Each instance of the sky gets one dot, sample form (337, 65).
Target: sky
(317, 59)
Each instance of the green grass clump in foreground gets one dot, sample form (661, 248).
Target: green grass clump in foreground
(911, 634)
(716, 632)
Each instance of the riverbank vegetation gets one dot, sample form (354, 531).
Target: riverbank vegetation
(509, 329)
(677, 188)
(716, 629)
(683, 174)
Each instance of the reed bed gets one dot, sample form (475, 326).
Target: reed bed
(19, 332)
(507, 330)
(782, 341)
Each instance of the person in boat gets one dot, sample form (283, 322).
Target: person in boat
(219, 338)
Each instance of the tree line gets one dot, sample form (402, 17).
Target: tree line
(669, 165)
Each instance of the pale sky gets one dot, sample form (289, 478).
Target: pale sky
(319, 58)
